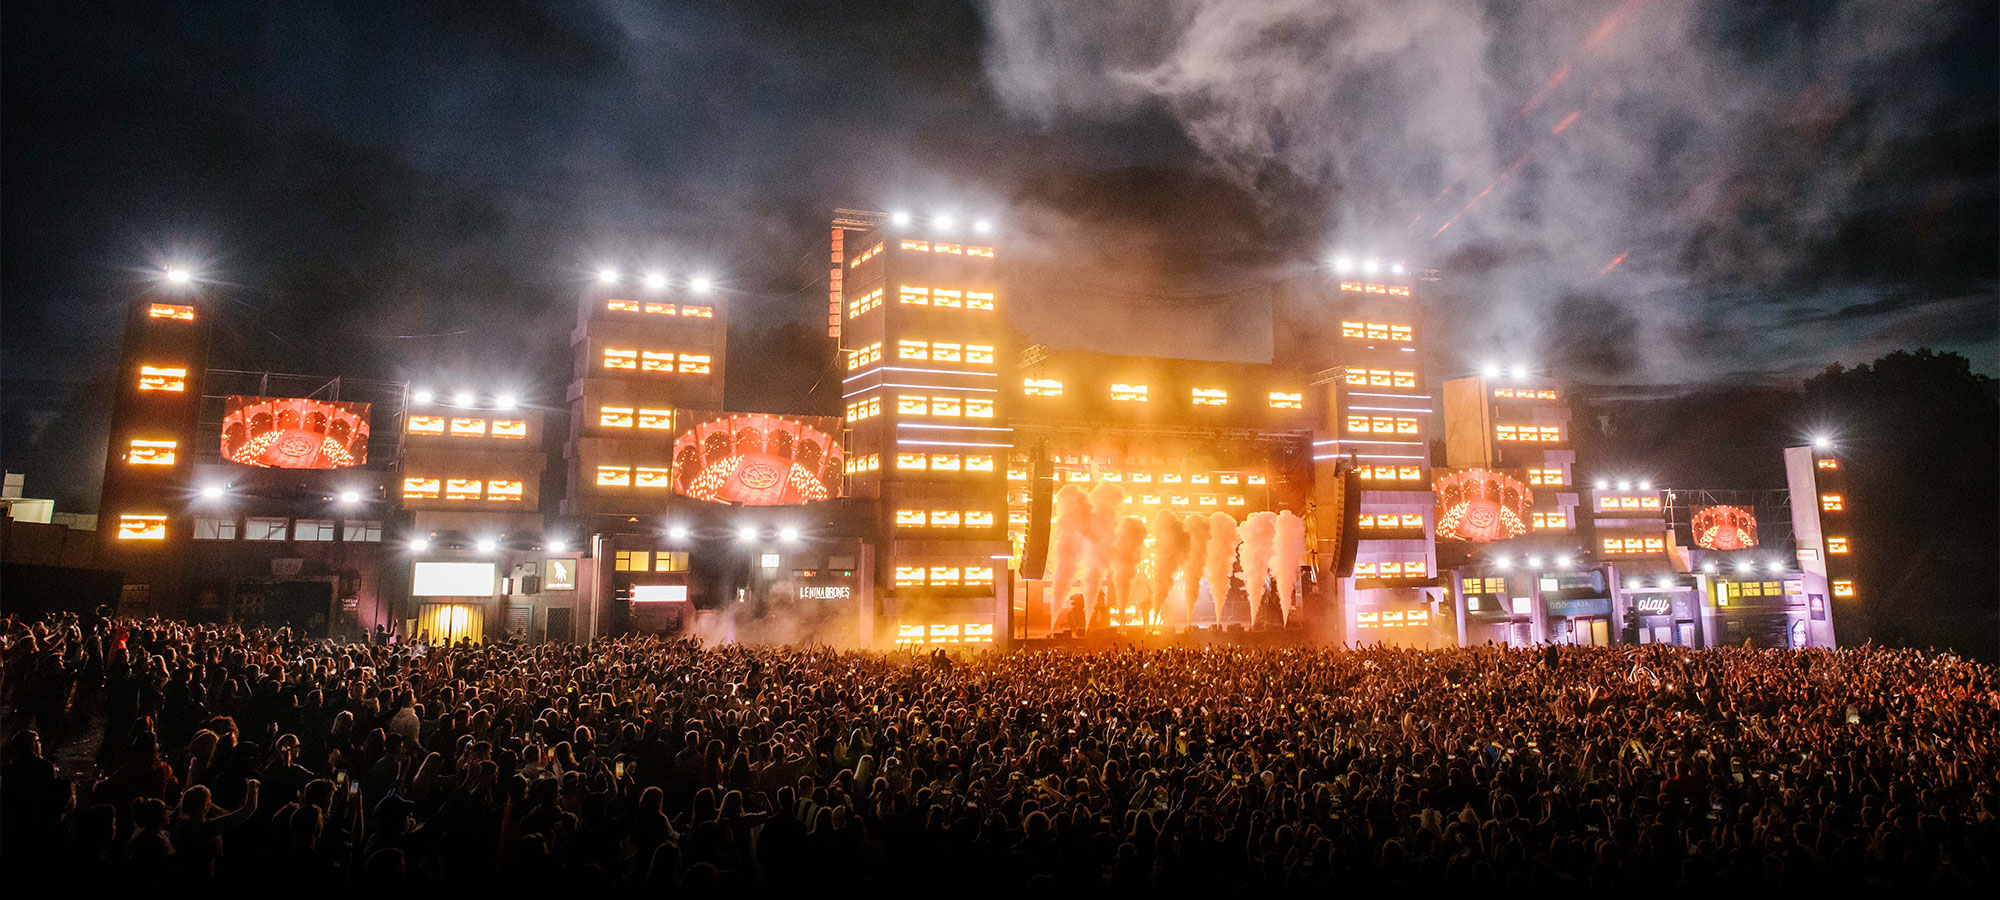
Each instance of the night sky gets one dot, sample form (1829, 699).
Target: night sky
(1648, 196)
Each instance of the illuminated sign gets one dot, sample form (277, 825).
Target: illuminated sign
(142, 528)
(1653, 604)
(173, 311)
(453, 579)
(659, 593)
(1724, 528)
(757, 459)
(825, 592)
(1481, 505)
(294, 433)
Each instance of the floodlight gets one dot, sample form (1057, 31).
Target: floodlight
(899, 218)
(1624, 485)
(1603, 485)
(504, 401)
(982, 226)
(656, 280)
(423, 396)
(464, 398)
(1520, 372)
(746, 533)
(701, 284)
(788, 534)
(486, 545)
(1534, 562)
(1397, 268)
(419, 544)
(350, 497)
(212, 491)
(1490, 371)
(607, 275)
(179, 275)
(558, 546)
(678, 532)
(1370, 266)
(1342, 264)
(1565, 562)
(942, 223)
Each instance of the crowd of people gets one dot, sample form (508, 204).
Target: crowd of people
(213, 755)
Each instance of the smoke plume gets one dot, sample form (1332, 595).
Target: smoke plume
(1222, 540)
(1128, 546)
(1260, 534)
(1070, 535)
(1286, 556)
(1170, 550)
(1197, 527)
(1106, 502)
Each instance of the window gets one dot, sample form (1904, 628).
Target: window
(1827, 463)
(621, 306)
(1832, 503)
(1132, 393)
(468, 427)
(871, 253)
(982, 252)
(944, 352)
(264, 528)
(656, 419)
(661, 309)
(1377, 331)
(861, 465)
(151, 453)
(139, 527)
(953, 249)
(864, 355)
(614, 416)
(913, 296)
(916, 246)
(1381, 425)
(656, 361)
(913, 350)
(947, 299)
(911, 405)
(944, 518)
(621, 359)
(1551, 520)
(515, 429)
(312, 530)
(652, 477)
(215, 528)
(1836, 545)
(944, 462)
(1042, 387)
(694, 363)
(979, 354)
(912, 461)
(505, 490)
(1491, 585)
(979, 300)
(864, 409)
(670, 561)
(976, 409)
(363, 531)
(1545, 476)
(614, 476)
(632, 561)
(864, 303)
(909, 575)
(1547, 434)
(1210, 397)
(163, 378)
(462, 488)
(421, 488)
(173, 311)
(697, 312)
(1287, 400)
(978, 520)
(1843, 588)
(426, 424)
(978, 462)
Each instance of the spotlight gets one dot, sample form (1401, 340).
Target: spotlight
(1565, 562)
(943, 223)
(1490, 371)
(464, 398)
(788, 534)
(1370, 266)
(1663, 582)
(1396, 269)
(179, 275)
(1342, 264)
(1633, 584)
(1822, 442)
(1534, 562)
(1745, 567)
(1645, 485)
(1603, 485)
(701, 284)
(1520, 372)
(1708, 567)
(678, 533)
(504, 401)
(746, 533)
(486, 545)
(350, 497)
(423, 396)
(607, 275)
(419, 544)
(656, 280)
(212, 491)
(899, 218)
(1624, 485)
(558, 546)
(1503, 563)
(983, 227)
(1774, 567)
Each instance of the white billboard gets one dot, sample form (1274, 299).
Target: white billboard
(453, 579)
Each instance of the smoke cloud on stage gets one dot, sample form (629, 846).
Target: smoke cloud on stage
(1170, 553)
(1286, 556)
(1221, 558)
(1260, 534)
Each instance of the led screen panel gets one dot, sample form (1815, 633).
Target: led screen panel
(1725, 528)
(294, 433)
(453, 579)
(1481, 505)
(757, 459)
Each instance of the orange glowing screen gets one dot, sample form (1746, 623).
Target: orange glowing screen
(163, 378)
(294, 432)
(151, 453)
(170, 311)
(142, 528)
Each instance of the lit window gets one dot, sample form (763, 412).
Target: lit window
(978, 575)
(979, 300)
(614, 416)
(1017, 474)
(1076, 475)
(503, 490)
(913, 350)
(917, 246)
(420, 488)
(910, 518)
(1254, 479)
(1841, 588)
(265, 528)
(947, 299)
(912, 461)
(911, 405)
(614, 476)
(944, 575)
(621, 306)
(1545, 476)
(953, 249)
(632, 561)
(863, 356)
(1832, 503)
(864, 303)
(1287, 400)
(1135, 393)
(1827, 463)
(913, 296)
(670, 561)
(697, 312)
(871, 253)
(660, 309)
(215, 528)
(1141, 477)
(978, 520)
(152, 453)
(656, 419)
(143, 528)
(1550, 520)
(1210, 397)
(979, 409)
(652, 477)
(943, 352)
(426, 424)
(162, 378)
(908, 575)
(657, 361)
(980, 354)
(945, 462)
(944, 518)
(368, 531)
(694, 363)
(978, 463)
(510, 428)
(1836, 545)
(312, 530)
(621, 359)
(170, 311)
(468, 428)
(1042, 387)
(983, 252)
(462, 488)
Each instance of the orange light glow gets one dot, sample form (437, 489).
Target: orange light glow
(1210, 397)
(503, 490)
(151, 453)
(656, 419)
(614, 476)
(1843, 588)
(694, 363)
(614, 416)
(653, 477)
(1131, 393)
(621, 359)
(170, 311)
(163, 378)
(1827, 463)
(1836, 546)
(656, 361)
(1832, 503)
(468, 427)
(510, 428)
(462, 488)
(133, 527)
(426, 424)
(621, 306)
(420, 488)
